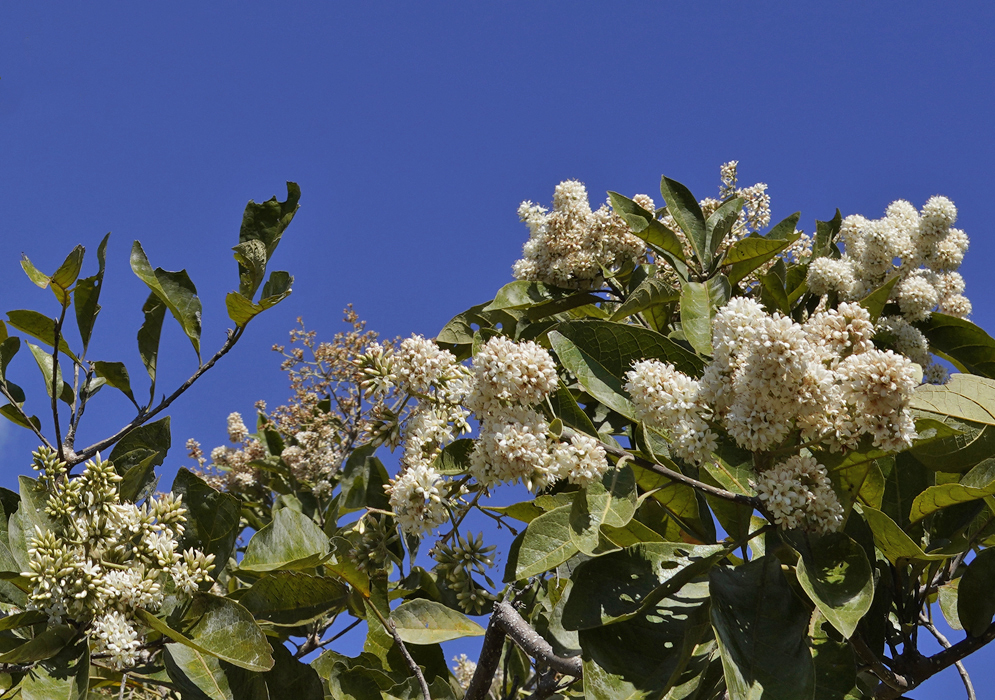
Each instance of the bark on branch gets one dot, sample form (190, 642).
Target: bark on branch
(505, 621)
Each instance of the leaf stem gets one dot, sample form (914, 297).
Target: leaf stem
(142, 418)
(945, 643)
(55, 376)
(415, 669)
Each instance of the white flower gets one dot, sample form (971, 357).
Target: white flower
(512, 446)
(416, 499)
(421, 365)
(510, 373)
(798, 494)
(580, 461)
(916, 296)
(827, 275)
(114, 635)
(237, 432)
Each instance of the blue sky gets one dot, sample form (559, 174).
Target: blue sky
(415, 129)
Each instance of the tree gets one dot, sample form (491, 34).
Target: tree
(751, 476)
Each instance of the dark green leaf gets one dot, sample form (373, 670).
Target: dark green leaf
(966, 345)
(875, 302)
(222, 628)
(198, 674)
(148, 336)
(950, 494)
(952, 446)
(762, 630)
(652, 294)
(212, 518)
(87, 296)
(826, 233)
(291, 678)
(251, 257)
(363, 479)
(455, 457)
(647, 653)
(116, 375)
(700, 301)
(683, 207)
(522, 294)
(65, 676)
(46, 364)
(835, 573)
(720, 223)
(545, 544)
(268, 220)
(976, 596)
(176, 291)
(422, 621)
(292, 598)
(618, 585)
(38, 326)
(153, 436)
(750, 256)
(645, 225)
(566, 409)
(44, 646)
(290, 541)
(611, 502)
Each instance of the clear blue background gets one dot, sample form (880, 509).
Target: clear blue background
(415, 129)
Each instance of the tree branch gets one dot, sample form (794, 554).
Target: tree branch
(945, 643)
(24, 416)
(674, 475)
(892, 685)
(487, 662)
(515, 626)
(958, 651)
(143, 418)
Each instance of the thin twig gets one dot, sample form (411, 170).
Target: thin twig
(305, 649)
(24, 416)
(673, 475)
(945, 643)
(889, 678)
(55, 376)
(487, 662)
(415, 669)
(143, 418)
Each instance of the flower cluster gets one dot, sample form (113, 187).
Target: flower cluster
(922, 248)
(798, 495)
(569, 246)
(514, 443)
(772, 379)
(457, 565)
(103, 559)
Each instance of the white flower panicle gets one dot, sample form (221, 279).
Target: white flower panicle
(580, 461)
(416, 499)
(104, 558)
(569, 246)
(506, 373)
(420, 365)
(237, 432)
(668, 400)
(798, 495)
(920, 247)
(513, 446)
(771, 376)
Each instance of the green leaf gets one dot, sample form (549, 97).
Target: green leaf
(835, 665)
(835, 573)
(700, 301)
(651, 294)
(618, 585)
(66, 676)
(966, 345)
(212, 518)
(197, 673)
(251, 257)
(10, 413)
(966, 396)
(148, 337)
(647, 653)
(893, 542)
(291, 598)
(935, 498)
(240, 309)
(753, 251)
(947, 598)
(116, 375)
(645, 225)
(44, 646)
(720, 223)
(875, 302)
(545, 544)
(33, 273)
(826, 233)
(69, 269)
(363, 479)
(175, 290)
(593, 376)
(138, 477)
(774, 296)
(460, 329)
(455, 457)
(46, 364)
(952, 446)
(683, 207)
(87, 296)
(611, 501)
(39, 326)
(976, 596)
(422, 621)
(267, 221)
(762, 631)
(291, 541)
(221, 628)
(565, 408)
(154, 436)
(522, 294)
